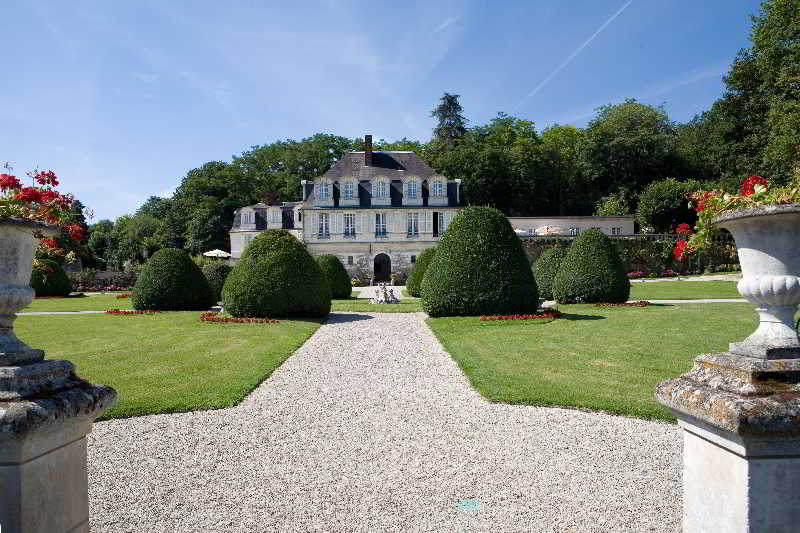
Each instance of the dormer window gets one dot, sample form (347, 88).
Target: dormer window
(248, 217)
(412, 189)
(438, 188)
(349, 189)
(324, 190)
(381, 189)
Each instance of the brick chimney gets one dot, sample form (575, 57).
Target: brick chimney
(367, 150)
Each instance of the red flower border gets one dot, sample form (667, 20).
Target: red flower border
(548, 313)
(131, 312)
(211, 316)
(640, 303)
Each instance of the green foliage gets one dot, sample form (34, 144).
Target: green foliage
(276, 277)
(170, 281)
(613, 205)
(216, 272)
(451, 124)
(591, 272)
(414, 284)
(479, 269)
(338, 278)
(546, 268)
(49, 279)
(664, 204)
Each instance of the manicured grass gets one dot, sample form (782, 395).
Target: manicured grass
(363, 306)
(598, 358)
(95, 302)
(683, 290)
(167, 362)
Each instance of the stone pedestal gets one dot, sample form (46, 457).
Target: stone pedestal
(741, 433)
(46, 411)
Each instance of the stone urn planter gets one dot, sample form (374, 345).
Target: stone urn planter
(46, 411)
(768, 242)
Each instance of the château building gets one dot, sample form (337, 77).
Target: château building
(377, 211)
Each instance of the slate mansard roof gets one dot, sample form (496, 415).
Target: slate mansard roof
(394, 165)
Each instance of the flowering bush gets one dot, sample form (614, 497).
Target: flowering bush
(640, 303)
(211, 316)
(668, 273)
(754, 192)
(636, 275)
(123, 296)
(547, 313)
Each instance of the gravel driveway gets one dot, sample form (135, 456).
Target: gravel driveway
(371, 427)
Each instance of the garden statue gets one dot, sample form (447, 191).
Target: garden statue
(384, 295)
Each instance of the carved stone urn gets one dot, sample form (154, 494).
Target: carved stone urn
(768, 242)
(46, 411)
(740, 410)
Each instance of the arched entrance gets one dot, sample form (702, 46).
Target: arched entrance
(383, 268)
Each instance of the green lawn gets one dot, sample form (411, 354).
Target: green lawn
(598, 358)
(683, 290)
(95, 302)
(168, 362)
(363, 306)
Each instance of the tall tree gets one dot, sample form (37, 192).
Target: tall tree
(451, 123)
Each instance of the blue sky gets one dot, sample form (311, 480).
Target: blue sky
(122, 98)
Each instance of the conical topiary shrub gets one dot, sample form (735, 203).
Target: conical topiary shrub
(215, 273)
(591, 272)
(171, 281)
(479, 268)
(49, 279)
(414, 283)
(276, 277)
(338, 278)
(545, 269)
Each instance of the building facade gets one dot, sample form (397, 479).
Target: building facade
(377, 211)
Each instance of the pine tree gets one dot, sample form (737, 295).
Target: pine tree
(452, 123)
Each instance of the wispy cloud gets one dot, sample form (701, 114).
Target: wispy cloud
(572, 56)
(446, 23)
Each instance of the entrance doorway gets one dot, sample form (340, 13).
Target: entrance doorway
(383, 268)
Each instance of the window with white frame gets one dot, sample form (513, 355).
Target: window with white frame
(349, 189)
(413, 224)
(275, 217)
(324, 190)
(413, 188)
(248, 239)
(349, 259)
(248, 217)
(440, 223)
(380, 224)
(324, 229)
(574, 231)
(616, 231)
(438, 188)
(349, 225)
(381, 189)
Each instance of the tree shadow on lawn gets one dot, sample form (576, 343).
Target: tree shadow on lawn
(575, 316)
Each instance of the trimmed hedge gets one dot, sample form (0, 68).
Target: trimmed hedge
(49, 279)
(591, 272)
(546, 268)
(276, 277)
(171, 281)
(338, 278)
(479, 269)
(215, 273)
(414, 283)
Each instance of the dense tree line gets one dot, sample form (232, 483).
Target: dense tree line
(631, 158)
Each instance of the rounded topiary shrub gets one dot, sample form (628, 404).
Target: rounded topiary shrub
(414, 283)
(215, 273)
(591, 272)
(338, 278)
(276, 277)
(171, 281)
(49, 279)
(479, 268)
(545, 269)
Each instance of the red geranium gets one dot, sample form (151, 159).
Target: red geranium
(76, 232)
(7, 181)
(683, 229)
(50, 243)
(680, 250)
(48, 195)
(29, 195)
(46, 178)
(64, 201)
(749, 185)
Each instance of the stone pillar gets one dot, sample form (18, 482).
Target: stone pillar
(741, 443)
(46, 411)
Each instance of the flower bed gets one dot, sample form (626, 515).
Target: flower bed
(640, 303)
(123, 296)
(210, 316)
(131, 312)
(548, 313)
(103, 288)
